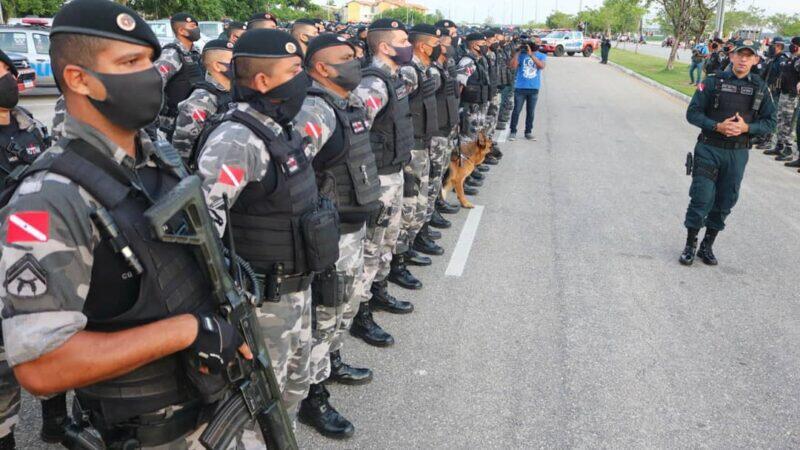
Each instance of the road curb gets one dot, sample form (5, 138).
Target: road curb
(653, 83)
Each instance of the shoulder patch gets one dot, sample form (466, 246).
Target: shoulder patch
(26, 278)
(28, 226)
(231, 175)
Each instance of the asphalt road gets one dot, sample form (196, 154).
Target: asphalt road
(573, 325)
(684, 55)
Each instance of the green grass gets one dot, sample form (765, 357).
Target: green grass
(653, 67)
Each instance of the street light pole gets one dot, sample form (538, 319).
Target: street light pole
(720, 17)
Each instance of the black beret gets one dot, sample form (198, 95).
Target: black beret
(218, 44)
(445, 23)
(356, 42)
(266, 43)
(796, 40)
(476, 37)
(262, 16)
(495, 31)
(325, 40)
(306, 21)
(424, 28)
(105, 19)
(4, 58)
(360, 29)
(387, 25)
(182, 17)
(235, 25)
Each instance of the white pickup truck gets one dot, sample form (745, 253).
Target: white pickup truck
(570, 42)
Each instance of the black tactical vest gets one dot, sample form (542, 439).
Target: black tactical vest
(224, 98)
(392, 134)
(501, 66)
(347, 163)
(728, 99)
(494, 75)
(423, 108)
(266, 218)
(789, 77)
(172, 282)
(477, 88)
(447, 100)
(181, 84)
(20, 149)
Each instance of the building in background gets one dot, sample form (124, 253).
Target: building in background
(367, 10)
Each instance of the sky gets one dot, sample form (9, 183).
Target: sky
(502, 11)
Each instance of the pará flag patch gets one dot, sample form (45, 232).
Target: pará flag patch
(374, 102)
(313, 130)
(701, 86)
(199, 115)
(28, 226)
(231, 175)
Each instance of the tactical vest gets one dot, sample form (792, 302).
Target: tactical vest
(447, 100)
(181, 84)
(20, 150)
(171, 283)
(789, 77)
(267, 217)
(728, 99)
(494, 75)
(510, 73)
(477, 88)
(392, 134)
(502, 62)
(423, 108)
(347, 160)
(224, 98)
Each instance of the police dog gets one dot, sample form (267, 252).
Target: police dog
(462, 165)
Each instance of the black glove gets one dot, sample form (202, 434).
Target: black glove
(216, 343)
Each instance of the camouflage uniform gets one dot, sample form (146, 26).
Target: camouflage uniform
(506, 93)
(475, 114)
(286, 324)
(193, 114)
(787, 108)
(58, 118)
(169, 64)
(9, 396)
(381, 239)
(57, 256)
(440, 149)
(493, 107)
(317, 121)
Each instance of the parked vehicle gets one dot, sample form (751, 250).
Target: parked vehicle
(211, 30)
(33, 43)
(560, 42)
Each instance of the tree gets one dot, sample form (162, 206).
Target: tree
(677, 13)
(19, 8)
(559, 19)
(703, 12)
(784, 23)
(751, 18)
(409, 16)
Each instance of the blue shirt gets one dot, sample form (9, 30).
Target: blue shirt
(701, 48)
(528, 75)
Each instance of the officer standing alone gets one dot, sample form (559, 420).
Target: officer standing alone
(728, 108)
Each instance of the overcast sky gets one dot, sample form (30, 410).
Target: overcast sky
(502, 11)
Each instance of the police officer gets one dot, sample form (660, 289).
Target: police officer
(304, 30)
(385, 94)
(715, 59)
(422, 101)
(262, 20)
(475, 81)
(255, 158)
(787, 103)
(180, 67)
(79, 313)
(209, 97)
(729, 108)
(336, 122)
(772, 75)
(235, 30)
(507, 82)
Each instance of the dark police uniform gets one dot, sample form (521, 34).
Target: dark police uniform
(719, 161)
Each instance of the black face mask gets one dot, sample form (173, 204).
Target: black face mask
(133, 100)
(494, 46)
(228, 70)
(9, 91)
(437, 50)
(194, 34)
(291, 95)
(451, 51)
(403, 55)
(348, 74)
(484, 49)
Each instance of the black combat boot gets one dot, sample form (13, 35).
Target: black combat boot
(437, 221)
(433, 234)
(315, 411)
(496, 151)
(384, 301)
(401, 276)
(415, 259)
(54, 419)
(774, 151)
(483, 168)
(477, 175)
(445, 207)
(687, 257)
(347, 374)
(426, 245)
(795, 163)
(364, 327)
(7, 442)
(473, 182)
(491, 160)
(705, 251)
(469, 190)
(784, 157)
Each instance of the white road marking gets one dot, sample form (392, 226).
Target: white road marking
(464, 244)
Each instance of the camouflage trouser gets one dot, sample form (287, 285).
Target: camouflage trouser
(381, 240)
(329, 322)
(287, 330)
(492, 110)
(767, 141)
(415, 201)
(506, 107)
(475, 118)
(441, 147)
(9, 396)
(787, 108)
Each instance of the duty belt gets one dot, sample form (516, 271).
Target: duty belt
(722, 143)
(288, 283)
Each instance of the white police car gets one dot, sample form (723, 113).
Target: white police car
(33, 43)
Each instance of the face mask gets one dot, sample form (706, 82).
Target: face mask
(349, 74)
(9, 91)
(133, 100)
(291, 94)
(228, 70)
(484, 49)
(194, 34)
(494, 46)
(402, 55)
(451, 51)
(437, 50)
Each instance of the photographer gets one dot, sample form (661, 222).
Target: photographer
(528, 61)
(699, 53)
